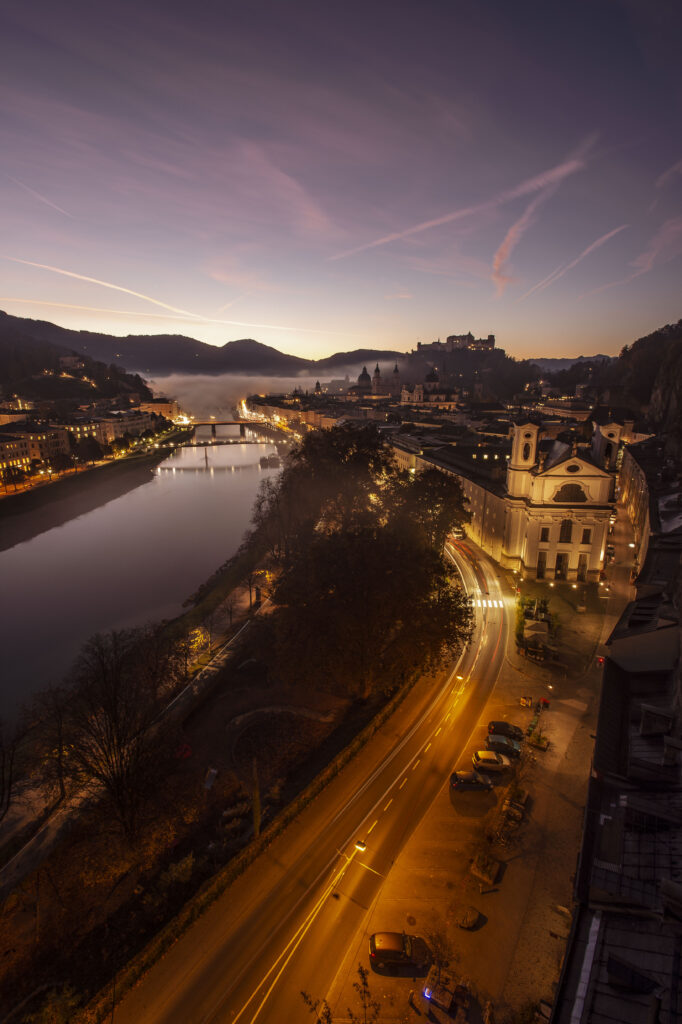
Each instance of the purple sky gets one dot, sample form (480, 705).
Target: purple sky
(328, 176)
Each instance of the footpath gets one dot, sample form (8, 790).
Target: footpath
(512, 957)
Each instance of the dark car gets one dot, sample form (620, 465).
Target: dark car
(470, 780)
(395, 949)
(503, 745)
(514, 732)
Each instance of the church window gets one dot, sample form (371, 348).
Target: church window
(573, 468)
(565, 531)
(544, 534)
(526, 452)
(570, 493)
(587, 537)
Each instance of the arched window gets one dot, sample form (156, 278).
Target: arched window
(565, 531)
(526, 452)
(571, 494)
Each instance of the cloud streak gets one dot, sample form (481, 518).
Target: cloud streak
(37, 195)
(535, 184)
(516, 232)
(565, 267)
(665, 245)
(668, 176)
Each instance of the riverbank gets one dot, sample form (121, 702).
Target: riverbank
(29, 513)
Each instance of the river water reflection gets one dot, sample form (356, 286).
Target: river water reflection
(130, 561)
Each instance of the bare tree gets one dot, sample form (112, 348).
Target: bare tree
(49, 734)
(8, 749)
(369, 1007)
(111, 715)
(319, 1007)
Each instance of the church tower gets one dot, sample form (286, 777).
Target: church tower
(523, 458)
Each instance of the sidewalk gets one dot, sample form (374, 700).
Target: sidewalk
(513, 956)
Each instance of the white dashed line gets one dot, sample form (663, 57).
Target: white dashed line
(372, 826)
(388, 804)
(438, 729)
(427, 747)
(402, 783)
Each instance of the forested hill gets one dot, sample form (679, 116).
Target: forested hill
(24, 361)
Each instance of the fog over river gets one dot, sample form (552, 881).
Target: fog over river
(133, 559)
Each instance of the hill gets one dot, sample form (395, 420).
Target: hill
(551, 365)
(161, 354)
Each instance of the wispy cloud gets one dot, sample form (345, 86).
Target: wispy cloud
(399, 295)
(528, 187)
(500, 276)
(665, 245)
(184, 313)
(37, 195)
(668, 176)
(565, 267)
(103, 284)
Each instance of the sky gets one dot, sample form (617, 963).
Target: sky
(325, 176)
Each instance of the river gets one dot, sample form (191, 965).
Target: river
(133, 559)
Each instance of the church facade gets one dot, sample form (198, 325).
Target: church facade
(548, 519)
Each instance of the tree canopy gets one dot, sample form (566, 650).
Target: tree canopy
(364, 597)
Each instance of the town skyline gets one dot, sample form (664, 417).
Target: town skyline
(323, 182)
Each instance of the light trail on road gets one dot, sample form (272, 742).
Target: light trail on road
(287, 923)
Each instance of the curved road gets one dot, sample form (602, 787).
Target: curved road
(287, 923)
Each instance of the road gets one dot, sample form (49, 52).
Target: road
(286, 924)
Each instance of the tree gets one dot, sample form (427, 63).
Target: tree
(111, 714)
(432, 502)
(369, 1007)
(8, 749)
(49, 733)
(365, 609)
(319, 1007)
(59, 1007)
(89, 449)
(441, 946)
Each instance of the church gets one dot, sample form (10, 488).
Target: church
(546, 518)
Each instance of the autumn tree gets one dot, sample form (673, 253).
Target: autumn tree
(431, 502)
(364, 609)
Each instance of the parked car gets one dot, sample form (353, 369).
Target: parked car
(395, 949)
(470, 780)
(514, 732)
(489, 761)
(503, 745)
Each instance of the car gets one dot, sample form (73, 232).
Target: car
(503, 745)
(469, 780)
(514, 732)
(489, 761)
(395, 949)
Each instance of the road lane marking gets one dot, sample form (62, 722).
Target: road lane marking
(448, 715)
(388, 804)
(416, 764)
(427, 747)
(438, 729)
(402, 783)
(372, 826)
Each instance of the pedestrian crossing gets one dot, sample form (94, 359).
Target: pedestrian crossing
(484, 602)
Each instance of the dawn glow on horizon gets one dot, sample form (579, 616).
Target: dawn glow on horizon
(332, 177)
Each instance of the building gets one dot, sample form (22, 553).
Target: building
(15, 455)
(623, 957)
(166, 407)
(541, 507)
(457, 343)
